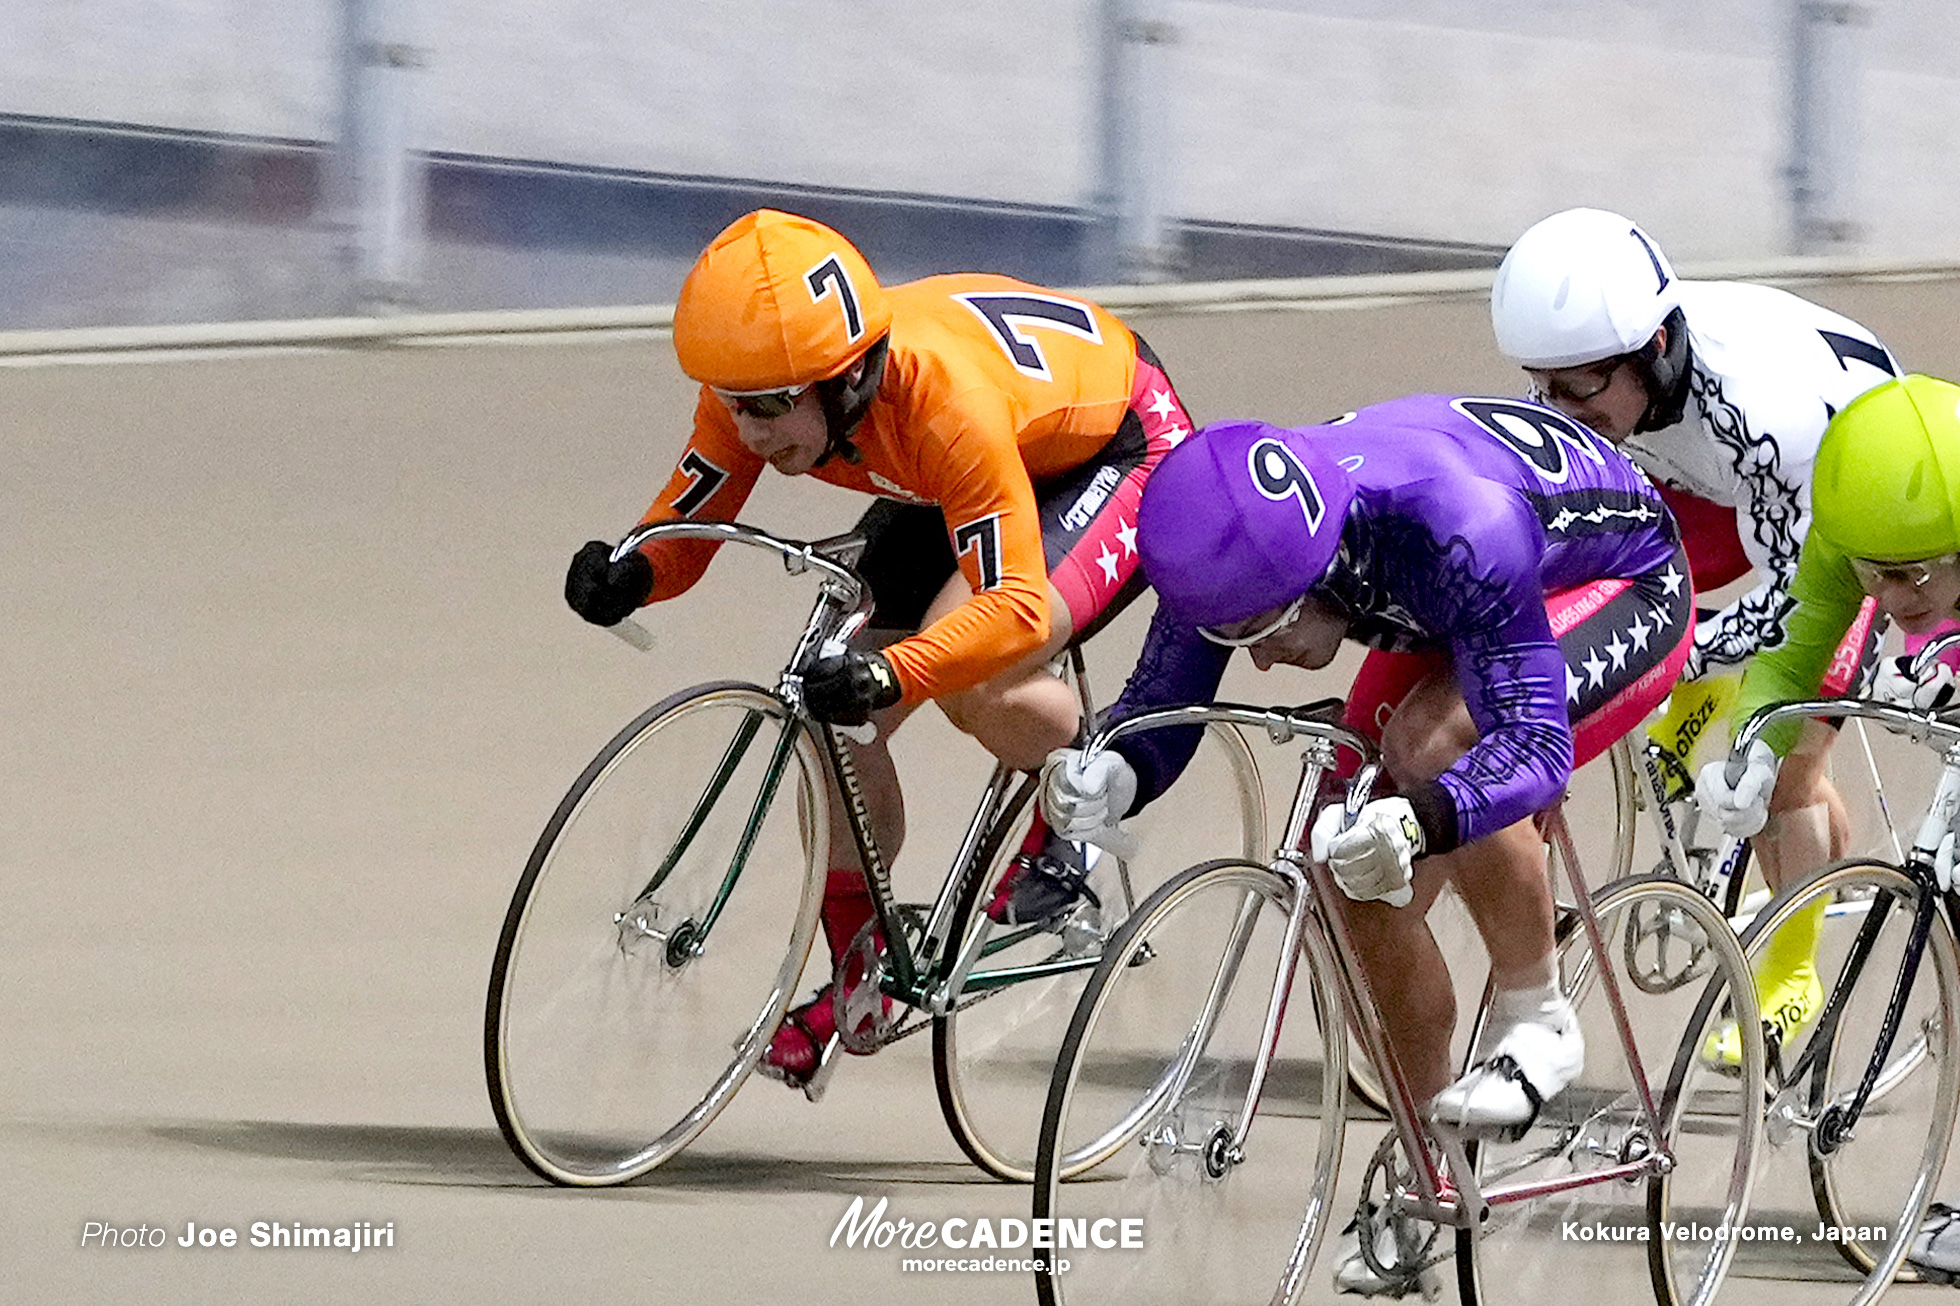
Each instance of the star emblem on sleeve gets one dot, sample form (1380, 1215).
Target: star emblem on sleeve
(1107, 560)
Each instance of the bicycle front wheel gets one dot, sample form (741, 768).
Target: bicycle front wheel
(1871, 1178)
(994, 1052)
(1583, 1197)
(656, 935)
(1153, 1089)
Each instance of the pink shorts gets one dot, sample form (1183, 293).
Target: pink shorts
(1611, 700)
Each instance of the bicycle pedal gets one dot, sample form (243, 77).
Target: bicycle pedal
(1082, 932)
(819, 1080)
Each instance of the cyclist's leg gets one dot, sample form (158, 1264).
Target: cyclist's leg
(906, 561)
(1807, 825)
(1808, 828)
(1410, 979)
(1501, 878)
(1531, 1046)
(1088, 532)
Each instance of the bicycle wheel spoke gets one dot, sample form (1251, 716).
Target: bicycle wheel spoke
(1680, 1135)
(1870, 1177)
(656, 936)
(1152, 1086)
(992, 1059)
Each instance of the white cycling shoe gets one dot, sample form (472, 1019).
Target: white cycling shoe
(1531, 1057)
(1935, 1250)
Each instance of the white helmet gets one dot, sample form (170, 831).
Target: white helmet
(1580, 286)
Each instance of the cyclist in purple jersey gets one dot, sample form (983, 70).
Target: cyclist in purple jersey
(1541, 577)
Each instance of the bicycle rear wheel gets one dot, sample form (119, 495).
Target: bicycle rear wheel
(656, 935)
(1677, 967)
(1152, 1084)
(994, 1052)
(1873, 1180)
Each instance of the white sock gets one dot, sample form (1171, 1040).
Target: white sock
(1515, 1006)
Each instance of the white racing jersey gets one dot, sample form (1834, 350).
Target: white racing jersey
(1769, 371)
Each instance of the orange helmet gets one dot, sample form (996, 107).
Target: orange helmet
(777, 301)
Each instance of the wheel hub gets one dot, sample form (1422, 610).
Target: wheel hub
(645, 929)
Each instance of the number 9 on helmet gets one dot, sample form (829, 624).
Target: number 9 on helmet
(1240, 519)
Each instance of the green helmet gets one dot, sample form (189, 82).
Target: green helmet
(1886, 483)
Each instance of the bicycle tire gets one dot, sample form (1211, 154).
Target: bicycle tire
(610, 1041)
(1151, 1082)
(1711, 1124)
(1881, 1177)
(994, 1051)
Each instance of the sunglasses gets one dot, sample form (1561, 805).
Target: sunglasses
(1583, 388)
(764, 404)
(1874, 576)
(1226, 637)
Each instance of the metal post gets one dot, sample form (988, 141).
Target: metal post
(1826, 74)
(1134, 238)
(379, 205)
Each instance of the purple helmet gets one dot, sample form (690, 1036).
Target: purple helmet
(1240, 519)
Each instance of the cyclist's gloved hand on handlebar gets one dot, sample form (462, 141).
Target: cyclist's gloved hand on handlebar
(1374, 857)
(607, 590)
(1741, 809)
(1930, 691)
(1083, 801)
(846, 688)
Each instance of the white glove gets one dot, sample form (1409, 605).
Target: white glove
(1930, 691)
(1083, 801)
(1374, 857)
(1741, 810)
(1943, 862)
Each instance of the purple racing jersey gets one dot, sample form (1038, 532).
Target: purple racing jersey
(1466, 513)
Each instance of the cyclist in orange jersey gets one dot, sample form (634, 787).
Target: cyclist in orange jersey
(1007, 431)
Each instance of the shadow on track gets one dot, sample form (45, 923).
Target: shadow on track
(473, 1157)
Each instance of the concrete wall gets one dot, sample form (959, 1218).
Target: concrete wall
(1413, 118)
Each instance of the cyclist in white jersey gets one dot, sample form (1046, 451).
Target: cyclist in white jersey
(1720, 391)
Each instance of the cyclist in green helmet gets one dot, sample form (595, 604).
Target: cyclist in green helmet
(1885, 503)
(1885, 522)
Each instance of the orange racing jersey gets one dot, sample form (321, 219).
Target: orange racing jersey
(992, 385)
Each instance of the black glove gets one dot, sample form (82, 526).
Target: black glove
(846, 688)
(603, 591)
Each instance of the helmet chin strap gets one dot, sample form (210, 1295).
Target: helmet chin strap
(843, 448)
(1666, 368)
(845, 399)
